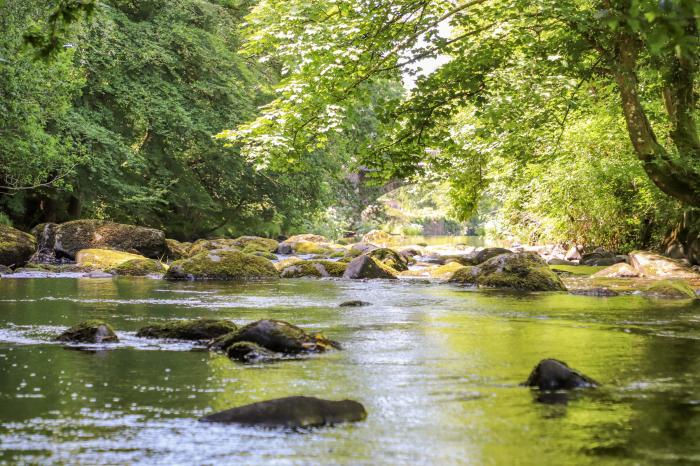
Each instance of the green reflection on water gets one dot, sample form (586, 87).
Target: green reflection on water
(437, 367)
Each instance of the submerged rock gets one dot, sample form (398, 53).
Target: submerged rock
(598, 291)
(524, 271)
(246, 351)
(367, 267)
(16, 247)
(552, 374)
(198, 329)
(277, 336)
(354, 303)
(222, 265)
(653, 265)
(390, 258)
(89, 331)
(292, 412)
(66, 239)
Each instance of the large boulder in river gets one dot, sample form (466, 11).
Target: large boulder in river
(652, 265)
(621, 270)
(276, 335)
(89, 331)
(292, 412)
(16, 247)
(366, 267)
(524, 271)
(66, 239)
(390, 258)
(222, 265)
(138, 268)
(552, 374)
(198, 329)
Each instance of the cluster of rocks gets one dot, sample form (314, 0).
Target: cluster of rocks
(104, 248)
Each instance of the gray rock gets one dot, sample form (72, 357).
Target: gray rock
(89, 331)
(292, 412)
(354, 303)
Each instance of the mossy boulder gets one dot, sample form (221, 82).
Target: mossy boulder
(203, 245)
(250, 244)
(176, 250)
(307, 237)
(278, 336)
(16, 247)
(365, 267)
(483, 255)
(66, 239)
(314, 268)
(671, 289)
(104, 259)
(289, 261)
(198, 329)
(291, 412)
(524, 271)
(380, 237)
(138, 268)
(361, 248)
(89, 331)
(222, 265)
(390, 258)
(308, 248)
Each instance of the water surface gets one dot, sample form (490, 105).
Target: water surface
(437, 367)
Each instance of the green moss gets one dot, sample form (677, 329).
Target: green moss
(199, 329)
(523, 271)
(104, 258)
(138, 268)
(337, 254)
(463, 275)
(204, 245)
(307, 247)
(577, 269)
(222, 265)
(89, 331)
(256, 243)
(390, 258)
(313, 268)
(671, 289)
(284, 263)
(176, 250)
(16, 247)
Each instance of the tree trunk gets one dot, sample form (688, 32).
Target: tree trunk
(673, 175)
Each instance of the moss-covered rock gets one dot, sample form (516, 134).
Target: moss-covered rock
(198, 329)
(307, 247)
(314, 268)
(104, 259)
(176, 250)
(671, 289)
(203, 245)
(277, 336)
(222, 265)
(380, 237)
(307, 237)
(66, 239)
(250, 244)
(485, 254)
(365, 267)
(138, 268)
(16, 247)
(518, 271)
(284, 263)
(390, 258)
(89, 331)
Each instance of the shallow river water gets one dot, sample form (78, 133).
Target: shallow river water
(437, 367)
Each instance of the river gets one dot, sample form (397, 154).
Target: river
(437, 367)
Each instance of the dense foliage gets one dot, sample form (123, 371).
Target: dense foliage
(529, 87)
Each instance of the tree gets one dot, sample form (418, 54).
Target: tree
(520, 68)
